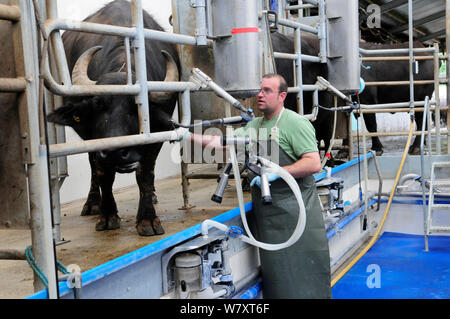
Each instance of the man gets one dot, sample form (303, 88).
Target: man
(303, 269)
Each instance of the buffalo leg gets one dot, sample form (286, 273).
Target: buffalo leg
(92, 205)
(108, 209)
(147, 223)
(414, 149)
(371, 123)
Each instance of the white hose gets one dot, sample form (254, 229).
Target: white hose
(271, 168)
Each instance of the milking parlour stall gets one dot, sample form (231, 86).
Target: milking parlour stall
(103, 194)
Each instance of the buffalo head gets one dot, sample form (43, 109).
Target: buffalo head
(103, 116)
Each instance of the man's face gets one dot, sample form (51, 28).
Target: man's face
(269, 98)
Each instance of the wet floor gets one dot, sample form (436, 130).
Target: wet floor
(88, 248)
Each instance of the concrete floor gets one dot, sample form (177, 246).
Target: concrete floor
(88, 248)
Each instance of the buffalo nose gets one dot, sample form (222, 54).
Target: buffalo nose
(124, 155)
(103, 154)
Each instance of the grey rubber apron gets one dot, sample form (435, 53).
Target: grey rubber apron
(303, 269)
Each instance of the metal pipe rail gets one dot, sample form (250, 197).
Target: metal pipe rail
(294, 25)
(300, 7)
(291, 56)
(53, 25)
(399, 110)
(392, 106)
(298, 57)
(401, 58)
(11, 13)
(13, 84)
(398, 83)
(394, 51)
(415, 133)
(64, 149)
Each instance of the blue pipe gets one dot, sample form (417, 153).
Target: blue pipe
(253, 291)
(348, 219)
(340, 168)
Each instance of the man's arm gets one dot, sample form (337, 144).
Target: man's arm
(212, 141)
(307, 165)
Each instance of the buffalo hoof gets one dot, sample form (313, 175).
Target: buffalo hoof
(102, 224)
(378, 152)
(342, 155)
(146, 228)
(89, 210)
(111, 223)
(414, 150)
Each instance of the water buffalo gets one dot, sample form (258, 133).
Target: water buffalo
(379, 71)
(394, 71)
(310, 71)
(96, 117)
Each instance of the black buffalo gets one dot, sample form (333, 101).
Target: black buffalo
(394, 71)
(310, 71)
(96, 117)
(379, 71)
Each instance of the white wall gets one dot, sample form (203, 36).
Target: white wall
(76, 186)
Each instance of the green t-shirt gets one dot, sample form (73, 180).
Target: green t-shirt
(296, 135)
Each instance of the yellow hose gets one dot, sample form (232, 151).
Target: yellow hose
(391, 196)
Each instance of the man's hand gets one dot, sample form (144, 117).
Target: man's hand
(270, 177)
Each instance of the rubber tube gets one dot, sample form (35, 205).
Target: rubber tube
(270, 168)
(380, 227)
(301, 223)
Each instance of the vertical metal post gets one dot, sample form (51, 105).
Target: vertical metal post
(447, 44)
(298, 69)
(39, 186)
(128, 60)
(411, 57)
(57, 44)
(200, 19)
(56, 134)
(185, 107)
(140, 66)
(322, 34)
(437, 111)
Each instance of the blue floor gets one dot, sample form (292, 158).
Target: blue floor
(397, 267)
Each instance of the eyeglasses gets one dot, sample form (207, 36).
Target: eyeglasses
(268, 91)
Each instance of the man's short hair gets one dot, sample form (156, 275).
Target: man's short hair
(283, 87)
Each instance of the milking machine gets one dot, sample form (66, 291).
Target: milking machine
(201, 268)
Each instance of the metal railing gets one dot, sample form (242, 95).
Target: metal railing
(298, 57)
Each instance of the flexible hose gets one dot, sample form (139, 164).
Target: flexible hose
(330, 147)
(271, 168)
(301, 223)
(391, 196)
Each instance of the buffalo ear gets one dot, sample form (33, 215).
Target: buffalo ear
(69, 114)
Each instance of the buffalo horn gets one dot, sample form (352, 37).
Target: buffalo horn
(79, 73)
(171, 76)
